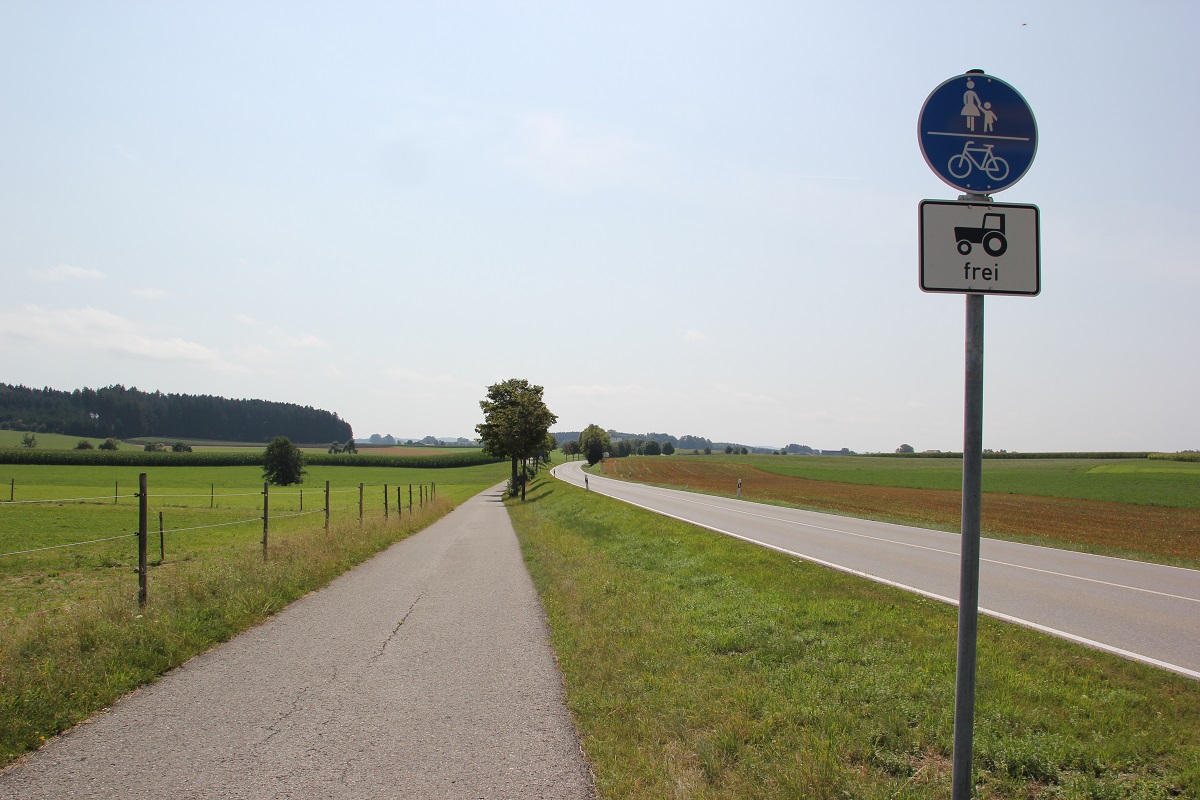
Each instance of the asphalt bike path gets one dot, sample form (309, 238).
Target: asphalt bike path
(425, 672)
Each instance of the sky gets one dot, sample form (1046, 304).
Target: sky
(683, 217)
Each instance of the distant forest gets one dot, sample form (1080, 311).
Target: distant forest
(127, 413)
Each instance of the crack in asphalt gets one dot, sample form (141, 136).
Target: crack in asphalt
(274, 727)
(399, 625)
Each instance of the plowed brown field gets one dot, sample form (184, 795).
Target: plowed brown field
(1172, 533)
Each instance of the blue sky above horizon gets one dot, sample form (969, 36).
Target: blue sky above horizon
(697, 218)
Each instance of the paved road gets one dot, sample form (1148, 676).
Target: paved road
(1146, 612)
(424, 673)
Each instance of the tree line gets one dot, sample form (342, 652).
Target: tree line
(115, 411)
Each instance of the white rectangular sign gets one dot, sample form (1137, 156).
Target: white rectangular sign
(980, 248)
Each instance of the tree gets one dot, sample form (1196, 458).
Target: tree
(181, 447)
(651, 448)
(283, 463)
(668, 449)
(571, 448)
(515, 424)
(594, 443)
(905, 448)
(549, 445)
(83, 444)
(153, 447)
(728, 449)
(350, 447)
(110, 444)
(29, 440)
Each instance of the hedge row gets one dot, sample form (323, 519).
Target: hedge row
(1189, 456)
(252, 458)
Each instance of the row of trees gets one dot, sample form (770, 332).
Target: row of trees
(115, 411)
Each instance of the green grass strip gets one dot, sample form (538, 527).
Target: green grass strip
(698, 666)
(63, 665)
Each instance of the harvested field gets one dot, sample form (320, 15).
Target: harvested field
(1155, 533)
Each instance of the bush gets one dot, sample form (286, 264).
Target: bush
(109, 444)
(181, 447)
(84, 444)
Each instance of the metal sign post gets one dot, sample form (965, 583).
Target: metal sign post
(977, 134)
(968, 579)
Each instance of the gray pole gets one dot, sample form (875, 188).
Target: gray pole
(266, 516)
(143, 504)
(968, 591)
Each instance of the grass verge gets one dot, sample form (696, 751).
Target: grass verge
(698, 666)
(66, 663)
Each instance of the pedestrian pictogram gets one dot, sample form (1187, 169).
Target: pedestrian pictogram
(977, 133)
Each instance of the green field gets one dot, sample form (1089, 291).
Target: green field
(699, 666)
(1139, 481)
(72, 636)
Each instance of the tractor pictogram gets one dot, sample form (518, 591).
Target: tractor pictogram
(990, 234)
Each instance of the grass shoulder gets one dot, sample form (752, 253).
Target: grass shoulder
(699, 666)
(73, 639)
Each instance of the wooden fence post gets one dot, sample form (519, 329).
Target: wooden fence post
(143, 505)
(266, 516)
(399, 503)
(385, 502)
(360, 503)
(327, 506)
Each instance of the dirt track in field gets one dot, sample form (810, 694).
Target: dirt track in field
(1156, 531)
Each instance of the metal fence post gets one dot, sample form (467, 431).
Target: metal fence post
(385, 501)
(360, 503)
(266, 516)
(162, 542)
(143, 505)
(327, 506)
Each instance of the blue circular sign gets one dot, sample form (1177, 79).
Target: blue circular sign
(977, 133)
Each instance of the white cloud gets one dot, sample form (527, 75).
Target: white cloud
(421, 379)
(304, 340)
(66, 272)
(279, 336)
(96, 329)
(693, 335)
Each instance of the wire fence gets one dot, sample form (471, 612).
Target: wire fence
(14, 531)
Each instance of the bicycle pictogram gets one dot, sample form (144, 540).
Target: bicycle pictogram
(979, 157)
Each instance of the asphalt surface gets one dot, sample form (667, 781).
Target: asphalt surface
(423, 673)
(1145, 612)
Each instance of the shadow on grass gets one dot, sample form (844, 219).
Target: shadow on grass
(539, 493)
